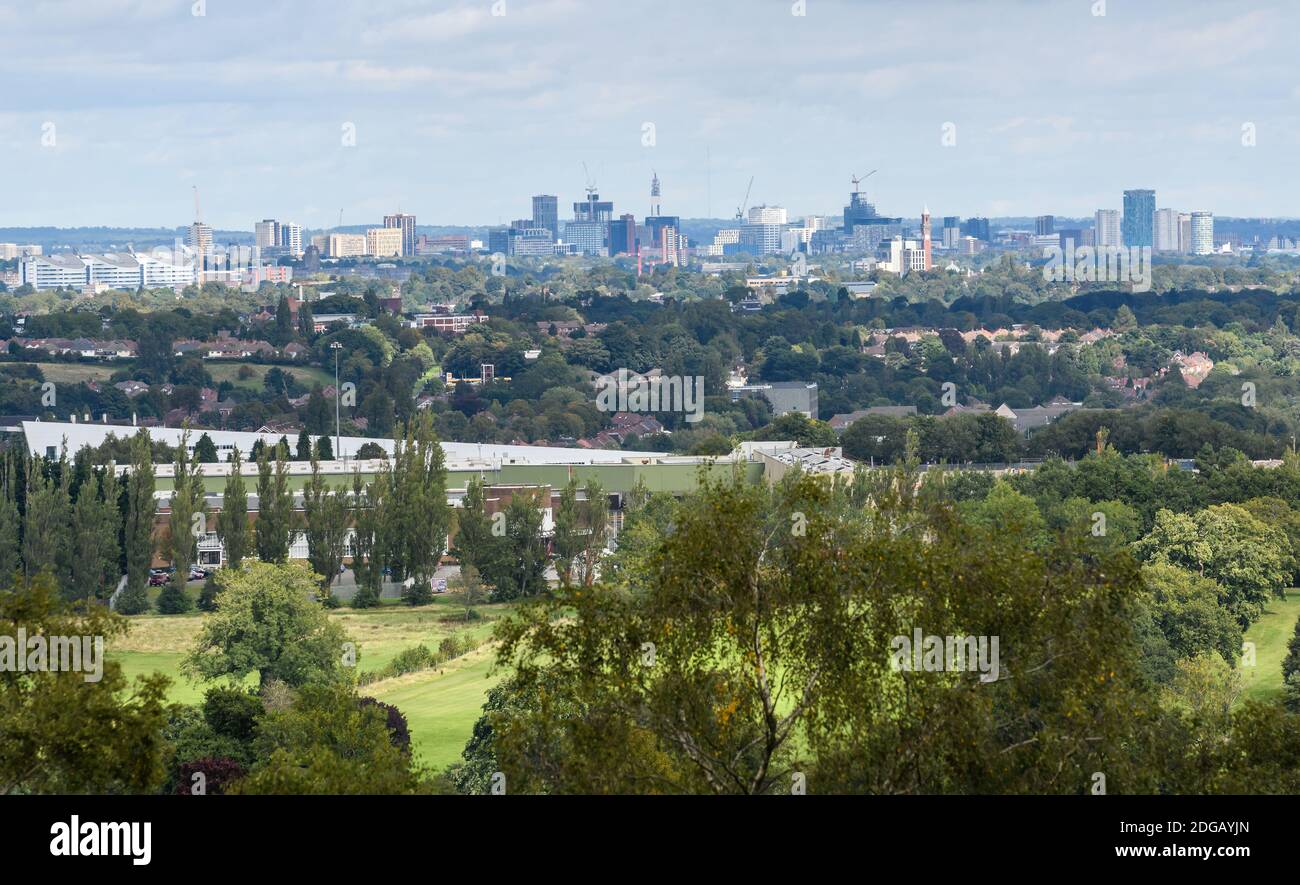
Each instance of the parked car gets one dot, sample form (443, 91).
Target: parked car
(197, 574)
(159, 579)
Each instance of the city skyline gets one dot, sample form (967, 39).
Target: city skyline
(949, 118)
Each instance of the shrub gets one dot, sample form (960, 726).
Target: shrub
(218, 773)
(231, 712)
(398, 732)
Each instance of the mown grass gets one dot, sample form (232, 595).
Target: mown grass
(441, 704)
(1271, 634)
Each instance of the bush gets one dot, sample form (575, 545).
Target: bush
(173, 600)
(218, 773)
(231, 712)
(398, 732)
(133, 601)
(208, 595)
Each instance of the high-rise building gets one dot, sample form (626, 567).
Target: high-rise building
(622, 235)
(200, 242)
(546, 213)
(406, 224)
(1045, 225)
(761, 235)
(291, 238)
(1106, 223)
(925, 238)
(977, 228)
(384, 242)
(593, 209)
(1166, 237)
(345, 245)
(1139, 218)
(1184, 232)
(1073, 235)
(1202, 233)
(266, 233)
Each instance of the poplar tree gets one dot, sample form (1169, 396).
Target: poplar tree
(47, 528)
(187, 513)
(137, 533)
(232, 521)
(274, 508)
(326, 514)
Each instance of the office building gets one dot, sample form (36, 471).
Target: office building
(622, 236)
(1106, 228)
(546, 214)
(1202, 242)
(384, 242)
(1166, 236)
(977, 228)
(345, 245)
(1045, 225)
(200, 243)
(1139, 218)
(1184, 232)
(266, 234)
(406, 224)
(1073, 235)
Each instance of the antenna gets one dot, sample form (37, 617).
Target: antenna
(708, 183)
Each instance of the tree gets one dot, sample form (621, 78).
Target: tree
(567, 541)
(1228, 545)
(324, 449)
(474, 544)
(205, 450)
(232, 521)
(95, 525)
(417, 516)
(327, 515)
(330, 741)
(274, 526)
(63, 733)
(518, 571)
(186, 522)
(755, 651)
(303, 448)
(368, 501)
(47, 527)
(1291, 671)
(138, 531)
(469, 584)
(267, 624)
(10, 549)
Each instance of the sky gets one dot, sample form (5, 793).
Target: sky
(113, 111)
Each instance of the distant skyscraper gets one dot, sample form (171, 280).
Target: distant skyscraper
(266, 233)
(546, 213)
(951, 231)
(761, 235)
(1107, 228)
(291, 238)
(1045, 225)
(925, 237)
(977, 228)
(200, 241)
(1166, 238)
(1184, 231)
(406, 224)
(1139, 218)
(1070, 235)
(622, 235)
(1202, 233)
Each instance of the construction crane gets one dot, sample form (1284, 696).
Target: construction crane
(856, 180)
(198, 215)
(340, 227)
(591, 182)
(740, 210)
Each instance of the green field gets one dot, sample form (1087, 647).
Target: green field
(75, 373)
(441, 705)
(308, 376)
(1270, 633)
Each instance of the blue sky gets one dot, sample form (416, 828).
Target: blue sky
(460, 115)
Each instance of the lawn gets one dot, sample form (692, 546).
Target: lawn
(1270, 633)
(308, 376)
(75, 373)
(441, 705)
